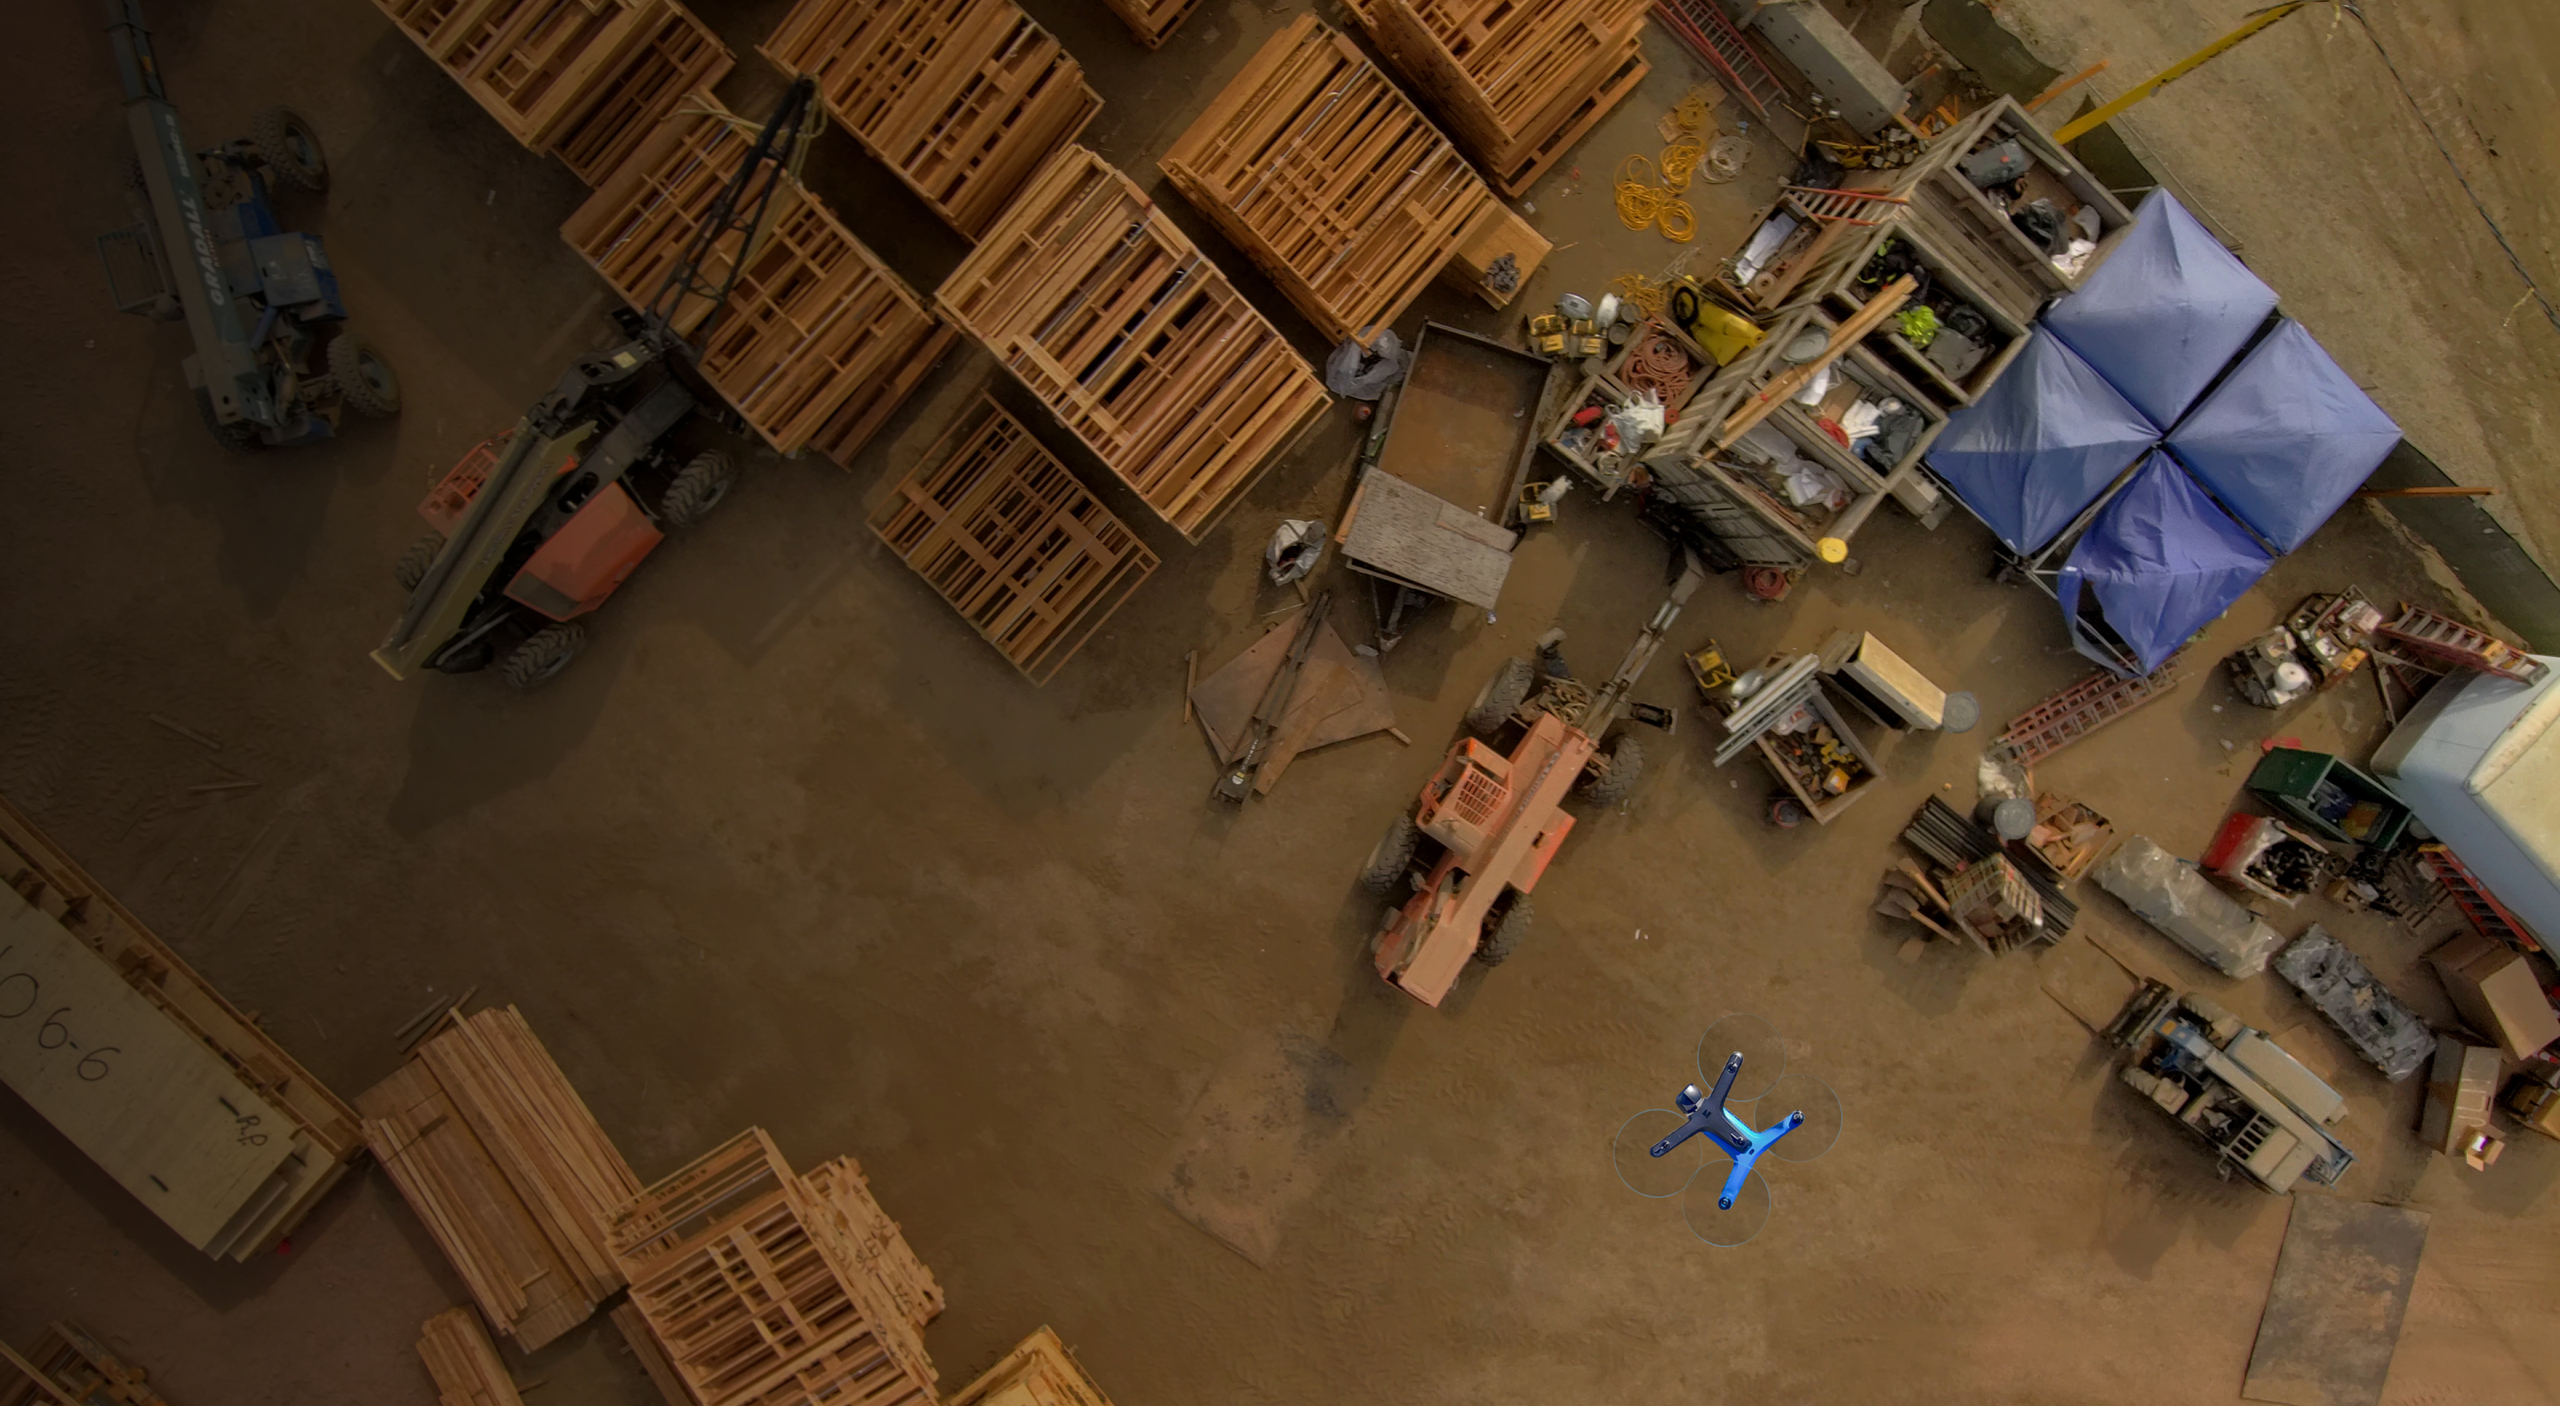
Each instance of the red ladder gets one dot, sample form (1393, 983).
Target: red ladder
(2443, 638)
(2488, 916)
(1706, 29)
(1841, 207)
(2081, 709)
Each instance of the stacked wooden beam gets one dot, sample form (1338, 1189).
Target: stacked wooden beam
(963, 99)
(503, 1162)
(818, 342)
(757, 1285)
(1040, 1371)
(1519, 81)
(172, 1089)
(1335, 185)
(586, 79)
(1000, 528)
(1151, 22)
(466, 1366)
(1088, 294)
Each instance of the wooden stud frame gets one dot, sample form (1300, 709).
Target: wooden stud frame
(1089, 295)
(1151, 22)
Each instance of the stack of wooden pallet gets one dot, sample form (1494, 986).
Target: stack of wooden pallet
(586, 79)
(502, 1161)
(818, 343)
(1040, 1371)
(759, 1285)
(963, 99)
(173, 1090)
(465, 1364)
(1337, 187)
(1000, 528)
(1519, 81)
(68, 1365)
(1086, 292)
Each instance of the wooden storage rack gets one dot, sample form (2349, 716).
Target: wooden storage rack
(1519, 81)
(212, 1046)
(819, 342)
(963, 99)
(502, 1161)
(1088, 294)
(998, 526)
(585, 79)
(1831, 280)
(1338, 187)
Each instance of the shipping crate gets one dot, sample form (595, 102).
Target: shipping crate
(1965, 214)
(814, 319)
(963, 99)
(998, 526)
(1339, 188)
(2493, 986)
(2462, 1086)
(1089, 295)
(1519, 81)
(1151, 22)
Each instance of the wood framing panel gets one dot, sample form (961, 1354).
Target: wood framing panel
(1088, 294)
(1040, 1371)
(1004, 532)
(813, 318)
(1332, 182)
(963, 99)
(676, 55)
(1518, 80)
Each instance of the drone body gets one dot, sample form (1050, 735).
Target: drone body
(1709, 1116)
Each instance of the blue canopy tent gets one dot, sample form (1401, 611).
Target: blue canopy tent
(2159, 562)
(2040, 446)
(2286, 438)
(2165, 313)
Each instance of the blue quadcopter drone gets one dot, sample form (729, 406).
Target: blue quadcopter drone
(1725, 1128)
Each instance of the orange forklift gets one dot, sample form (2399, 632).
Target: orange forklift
(1488, 824)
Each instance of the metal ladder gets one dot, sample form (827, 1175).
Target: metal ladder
(1707, 30)
(2081, 709)
(2440, 637)
(1841, 207)
(2487, 915)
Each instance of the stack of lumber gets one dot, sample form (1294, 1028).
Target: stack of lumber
(1038, 1372)
(68, 1365)
(1151, 22)
(963, 99)
(818, 342)
(502, 1161)
(173, 1090)
(464, 1363)
(1336, 186)
(762, 1286)
(1088, 294)
(585, 79)
(998, 526)
(1519, 81)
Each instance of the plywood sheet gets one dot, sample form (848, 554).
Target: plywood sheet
(1427, 540)
(2333, 1314)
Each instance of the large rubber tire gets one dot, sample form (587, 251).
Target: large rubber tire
(697, 489)
(295, 159)
(1392, 858)
(366, 383)
(1503, 937)
(1501, 696)
(543, 655)
(238, 437)
(1617, 781)
(412, 566)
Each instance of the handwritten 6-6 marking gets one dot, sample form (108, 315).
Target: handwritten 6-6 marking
(19, 992)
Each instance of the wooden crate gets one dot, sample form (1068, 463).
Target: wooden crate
(67, 1364)
(1335, 185)
(754, 1286)
(1088, 294)
(1520, 81)
(998, 526)
(281, 1139)
(814, 319)
(1151, 22)
(502, 1161)
(1040, 1371)
(1831, 282)
(464, 1363)
(963, 99)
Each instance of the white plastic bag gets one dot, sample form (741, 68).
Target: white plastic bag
(1364, 373)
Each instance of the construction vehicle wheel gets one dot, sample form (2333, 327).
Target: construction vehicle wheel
(291, 149)
(412, 566)
(1392, 857)
(697, 489)
(543, 655)
(366, 383)
(1501, 696)
(238, 437)
(1503, 931)
(1617, 780)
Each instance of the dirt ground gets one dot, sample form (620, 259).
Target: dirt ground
(789, 847)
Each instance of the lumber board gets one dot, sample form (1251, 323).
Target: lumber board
(1151, 22)
(464, 1363)
(1040, 1371)
(873, 1240)
(652, 1356)
(962, 99)
(68, 1365)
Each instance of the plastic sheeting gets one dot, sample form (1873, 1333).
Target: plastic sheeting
(2041, 445)
(2162, 561)
(2165, 313)
(2167, 892)
(2286, 438)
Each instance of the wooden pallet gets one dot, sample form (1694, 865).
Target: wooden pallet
(1335, 185)
(67, 1364)
(963, 99)
(814, 321)
(998, 526)
(502, 1161)
(1151, 22)
(1519, 81)
(1040, 1371)
(298, 1135)
(755, 1286)
(465, 1364)
(1089, 295)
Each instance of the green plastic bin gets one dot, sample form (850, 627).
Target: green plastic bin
(2306, 784)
